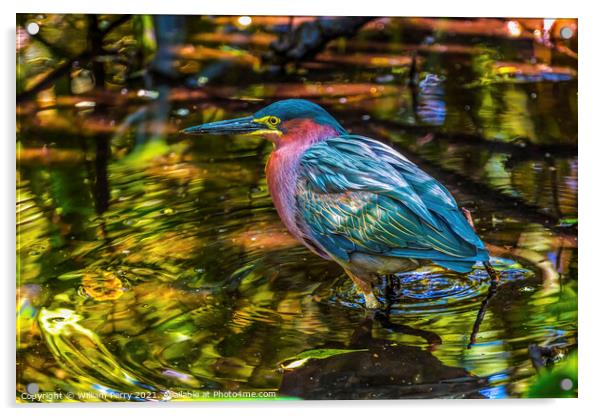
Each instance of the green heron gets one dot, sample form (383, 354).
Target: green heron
(354, 200)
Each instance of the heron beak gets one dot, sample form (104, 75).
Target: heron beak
(243, 125)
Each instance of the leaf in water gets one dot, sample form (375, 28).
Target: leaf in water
(71, 275)
(568, 221)
(300, 359)
(102, 285)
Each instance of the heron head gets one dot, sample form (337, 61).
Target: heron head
(287, 119)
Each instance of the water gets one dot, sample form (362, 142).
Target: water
(151, 264)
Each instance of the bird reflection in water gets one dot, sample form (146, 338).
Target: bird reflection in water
(377, 368)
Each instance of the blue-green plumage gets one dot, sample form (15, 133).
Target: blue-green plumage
(353, 199)
(358, 195)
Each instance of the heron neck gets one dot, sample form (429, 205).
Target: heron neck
(282, 170)
(302, 133)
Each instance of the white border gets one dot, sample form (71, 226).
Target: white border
(590, 153)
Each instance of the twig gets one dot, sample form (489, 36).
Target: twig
(481, 314)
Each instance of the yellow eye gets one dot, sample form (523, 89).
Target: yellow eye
(273, 121)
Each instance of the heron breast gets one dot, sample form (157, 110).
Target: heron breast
(282, 172)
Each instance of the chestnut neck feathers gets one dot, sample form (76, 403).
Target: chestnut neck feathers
(283, 164)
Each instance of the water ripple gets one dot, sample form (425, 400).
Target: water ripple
(432, 291)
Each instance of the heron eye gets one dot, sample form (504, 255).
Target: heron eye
(273, 121)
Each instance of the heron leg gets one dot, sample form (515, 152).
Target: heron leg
(391, 290)
(363, 282)
(393, 283)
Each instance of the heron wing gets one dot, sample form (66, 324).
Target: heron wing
(358, 195)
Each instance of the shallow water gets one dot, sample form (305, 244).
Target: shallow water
(152, 264)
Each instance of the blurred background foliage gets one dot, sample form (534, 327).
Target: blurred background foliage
(153, 262)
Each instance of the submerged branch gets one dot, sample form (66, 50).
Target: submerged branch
(310, 38)
(481, 314)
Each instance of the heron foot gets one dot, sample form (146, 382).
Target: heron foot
(364, 285)
(371, 301)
